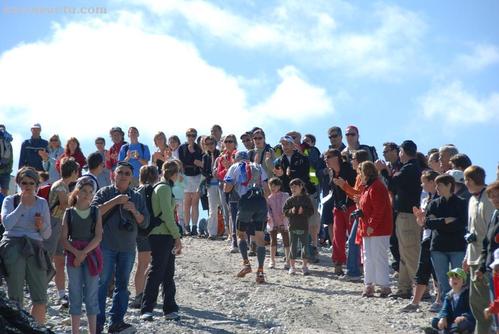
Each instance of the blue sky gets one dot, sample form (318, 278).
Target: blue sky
(421, 70)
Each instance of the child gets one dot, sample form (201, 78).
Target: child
(81, 235)
(298, 208)
(277, 221)
(493, 308)
(455, 315)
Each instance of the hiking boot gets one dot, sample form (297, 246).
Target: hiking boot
(368, 291)
(401, 294)
(64, 301)
(121, 327)
(147, 316)
(137, 301)
(435, 307)
(410, 308)
(292, 271)
(194, 231)
(305, 271)
(338, 270)
(246, 270)
(172, 316)
(260, 278)
(385, 292)
(187, 230)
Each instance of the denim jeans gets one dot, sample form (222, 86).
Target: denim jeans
(121, 264)
(353, 257)
(82, 287)
(441, 262)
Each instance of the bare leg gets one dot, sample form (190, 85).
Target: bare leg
(60, 278)
(144, 259)
(75, 324)
(195, 208)
(38, 312)
(187, 208)
(92, 323)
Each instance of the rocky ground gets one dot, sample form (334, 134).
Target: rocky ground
(213, 300)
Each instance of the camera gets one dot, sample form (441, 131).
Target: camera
(126, 225)
(357, 214)
(470, 237)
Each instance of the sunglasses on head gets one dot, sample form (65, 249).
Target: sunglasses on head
(328, 157)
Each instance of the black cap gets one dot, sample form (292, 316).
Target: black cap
(125, 164)
(116, 129)
(409, 147)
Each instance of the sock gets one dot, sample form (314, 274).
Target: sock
(61, 293)
(243, 248)
(260, 253)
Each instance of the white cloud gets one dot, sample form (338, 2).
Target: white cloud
(310, 32)
(452, 103)
(91, 75)
(481, 57)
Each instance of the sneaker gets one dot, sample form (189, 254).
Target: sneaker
(286, 266)
(348, 278)
(292, 271)
(368, 291)
(410, 308)
(260, 278)
(146, 316)
(426, 296)
(194, 230)
(251, 253)
(64, 301)
(272, 265)
(234, 250)
(401, 294)
(305, 271)
(187, 230)
(137, 301)
(121, 327)
(435, 307)
(212, 237)
(172, 316)
(338, 270)
(385, 292)
(246, 270)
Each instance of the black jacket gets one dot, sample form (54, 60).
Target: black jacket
(340, 198)
(406, 186)
(447, 237)
(208, 161)
(299, 168)
(490, 243)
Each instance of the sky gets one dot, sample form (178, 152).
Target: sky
(421, 70)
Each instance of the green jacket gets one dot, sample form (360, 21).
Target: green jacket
(163, 202)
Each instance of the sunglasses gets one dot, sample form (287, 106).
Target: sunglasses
(257, 138)
(54, 140)
(99, 143)
(351, 134)
(209, 143)
(124, 173)
(228, 141)
(333, 136)
(25, 183)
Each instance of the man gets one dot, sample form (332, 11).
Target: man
(135, 153)
(480, 211)
(216, 131)
(123, 211)
(460, 161)
(352, 134)
(249, 181)
(6, 160)
(336, 138)
(406, 187)
(247, 141)
(118, 138)
(95, 163)
(104, 177)
(445, 153)
(30, 149)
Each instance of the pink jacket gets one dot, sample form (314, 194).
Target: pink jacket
(276, 215)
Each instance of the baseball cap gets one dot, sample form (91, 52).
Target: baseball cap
(457, 174)
(457, 272)
(242, 155)
(36, 126)
(351, 128)
(116, 129)
(288, 139)
(125, 164)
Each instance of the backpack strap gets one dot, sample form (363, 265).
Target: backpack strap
(93, 213)
(69, 214)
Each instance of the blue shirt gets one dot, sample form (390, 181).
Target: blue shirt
(139, 151)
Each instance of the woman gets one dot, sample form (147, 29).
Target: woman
(209, 157)
(163, 153)
(26, 220)
(375, 229)
(148, 176)
(173, 145)
(50, 158)
(73, 150)
(165, 244)
(446, 216)
(190, 154)
(81, 235)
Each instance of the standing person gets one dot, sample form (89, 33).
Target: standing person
(335, 136)
(352, 134)
(81, 235)
(118, 138)
(163, 153)
(216, 131)
(173, 145)
(95, 167)
(375, 229)
(445, 153)
(148, 177)
(263, 153)
(209, 158)
(246, 139)
(26, 220)
(343, 206)
(277, 220)
(123, 211)
(58, 202)
(406, 187)
(480, 211)
(135, 153)
(165, 243)
(30, 149)
(191, 154)
(249, 182)
(434, 161)
(298, 208)
(446, 217)
(104, 177)
(178, 190)
(72, 150)
(6, 160)
(50, 157)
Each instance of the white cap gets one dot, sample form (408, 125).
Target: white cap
(36, 126)
(457, 174)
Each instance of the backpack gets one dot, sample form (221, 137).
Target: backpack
(153, 220)
(44, 192)
(93, 213)
(5, 151)
(252, 154)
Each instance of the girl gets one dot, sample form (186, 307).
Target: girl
(298, 208)
(81, 236)
(277, 221)
(163, 153)
(49, 158)
(72, 150)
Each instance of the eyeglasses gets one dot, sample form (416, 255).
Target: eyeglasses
(122, 173)
(246, 140)
(257, 138)
(228, 141)
(54, 140)
(25, 183)
(192, 135)
(350, 134)
(333, 136)
(99, 143)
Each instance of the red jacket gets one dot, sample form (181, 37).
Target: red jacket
(377, 208)
(79, 158)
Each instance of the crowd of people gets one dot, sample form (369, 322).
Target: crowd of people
(89, 218)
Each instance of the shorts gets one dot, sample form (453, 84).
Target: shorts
(5, 181)
(296, 236)
(143, 243)
(54, 245)
(252, 212)
(191, 183)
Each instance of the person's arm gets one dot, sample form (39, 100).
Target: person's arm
(379, 205)
(46, 229)
(64, 236)
(22, 155)
(11, 216)
(104, 205)
(288, 207)
(146, 156)
(164, 195)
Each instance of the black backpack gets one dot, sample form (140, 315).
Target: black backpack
(153, 220)
(93, 213)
